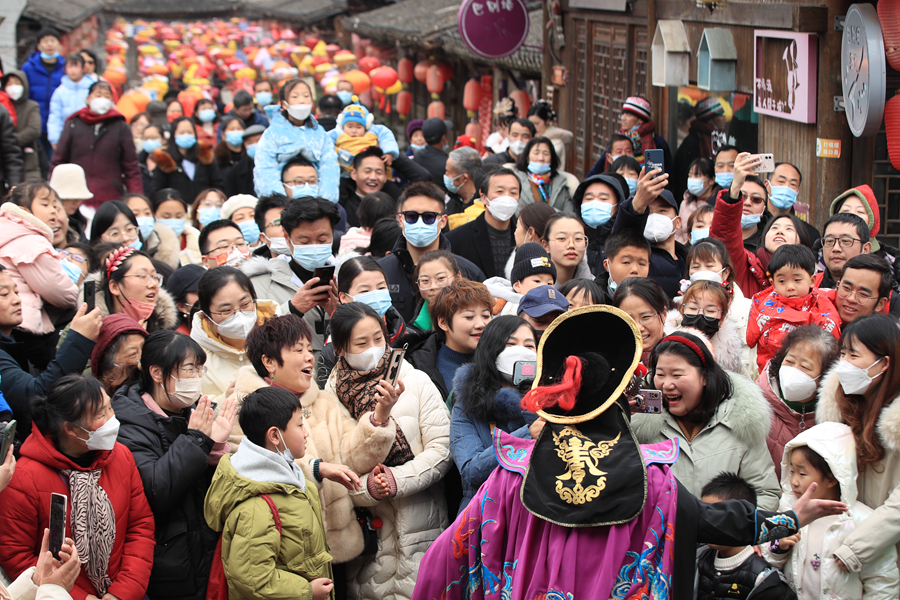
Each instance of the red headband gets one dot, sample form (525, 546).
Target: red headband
(689, 344)
(117, 258)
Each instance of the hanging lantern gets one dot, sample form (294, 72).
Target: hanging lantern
(420, 72)
(474, 130)
(446, 69)
(360, 81)
(405, 70)
(892, 129)
(368, 63)
(434, 81)
(404, 102)
(889, 17)
(436, 109)
(383, 77)
(523, 102)
(394, 89)
(472, 97)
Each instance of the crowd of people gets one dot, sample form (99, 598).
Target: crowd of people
(198, 311)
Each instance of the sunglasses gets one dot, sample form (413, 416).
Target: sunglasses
(411, 217)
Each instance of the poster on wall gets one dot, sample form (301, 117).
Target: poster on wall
(784, 71)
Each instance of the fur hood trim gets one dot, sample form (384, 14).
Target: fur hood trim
(747, 413)
(507, 401)
(168, 163)
(165, 313)
(168, 248)
(14, 212)
(256, 265)
(888, 427)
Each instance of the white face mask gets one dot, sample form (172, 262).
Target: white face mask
(367, 360)
(855, 380)
(286, 454)
(299, 111)
(796, 386)
(104, 437)
(503, 207)
(235, 259)
(187, 392)
(658, 228)
(15, 91)
(238, 326)
(101, 106)
(278, 246)
(506, 360)
(517, 147)
(713, 276)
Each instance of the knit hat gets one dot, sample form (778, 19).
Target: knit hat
(69, 183)
(867, 196)
(414, 126)
(184, 281)
(465, 141)
(47, 32)
(708, 108)
(235, 203)
(531, 259)
(355, 113)
(113, 326)
(637, 106)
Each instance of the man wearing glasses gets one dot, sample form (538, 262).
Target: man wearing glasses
(268, 218)
(845, 235)
(223, 245)
(865, 288)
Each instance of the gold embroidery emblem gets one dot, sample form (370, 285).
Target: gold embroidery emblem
(580, 455)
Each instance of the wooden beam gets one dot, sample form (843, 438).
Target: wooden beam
(796, 17)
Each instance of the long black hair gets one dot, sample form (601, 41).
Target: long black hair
(351, 268)
(345, 318)
(522, 162)
(214, 280)
(70, 400)
(167, 350)
(105, 216)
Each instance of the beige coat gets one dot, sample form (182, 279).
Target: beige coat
(191, 254)
(335, 437)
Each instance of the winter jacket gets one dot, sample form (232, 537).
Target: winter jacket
(753, 579)
(402, 166)
(11, 162)
(786, 423)
(471, 440)
(473, 242)
(281, 142)
(208, 138)
(878, 578)
(43, 83)
(733, 441)
(433, 160)
(337, 438)
(259, 561)
(163, 245)
(170, 173)
(23, 588)
(164, 316)
(28, 126)
(190, 254)
(560, 192)
(386, 140)
(25, 506)
(417, 514)
(422, 354)
(107, 154)
(174, 465)
(749, 271)
(68, 98)
(772, 317)
(26, 250)
(878, 486)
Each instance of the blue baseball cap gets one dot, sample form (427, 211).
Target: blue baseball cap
(542, 300)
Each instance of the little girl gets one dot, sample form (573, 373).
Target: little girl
(704, 307)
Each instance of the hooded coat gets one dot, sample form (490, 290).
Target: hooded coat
(867, 196)
(879, 578)
(28, 127)
(68, 98)
(786, 422)
(733, 441)
(164, 316)
(170, 173)
(596, 250)
(42, 82)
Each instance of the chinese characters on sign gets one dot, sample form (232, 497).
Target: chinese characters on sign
(493, 28)
(828, 148)
(784, 69)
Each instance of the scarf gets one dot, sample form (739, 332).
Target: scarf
(705, 131)
(93, 525)
(642, 139)
(91, 118)
(542, 183)
(356, 391)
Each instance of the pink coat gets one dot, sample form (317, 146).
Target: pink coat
(26, 250)
(786, 424)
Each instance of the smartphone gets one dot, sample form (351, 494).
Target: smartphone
(524, 370)
(90, 288)
(58, 504)
(325, 274)
(9, 435)
(649, 402)
(394, 363)
(655, 159)
(766, 163)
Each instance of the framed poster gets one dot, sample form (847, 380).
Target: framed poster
(784, 71)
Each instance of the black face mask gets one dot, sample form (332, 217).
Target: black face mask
(708, 325)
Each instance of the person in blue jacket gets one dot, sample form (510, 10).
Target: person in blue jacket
(68, 98)
(293, 132)
(45, 69)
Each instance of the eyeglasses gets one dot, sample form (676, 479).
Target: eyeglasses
(440, 281)
(411, 217)
(578, 238)
(845, 291)
(753, 199)
(241, 246)
(274, 223)
(114, 235)
(713, 312)
(301, 181)
(146, 278)
(194, 371)
(647, 319)
(845, 242)
(245, 307)
(76, 257)
(210, 204)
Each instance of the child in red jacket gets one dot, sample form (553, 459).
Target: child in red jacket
(791, 303)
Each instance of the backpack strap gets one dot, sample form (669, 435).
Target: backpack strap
(274, 509)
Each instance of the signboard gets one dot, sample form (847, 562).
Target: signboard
(863, 70)
(828, 148)
(784, 68)
(493, 28)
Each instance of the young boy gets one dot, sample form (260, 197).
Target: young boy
(356, 131)
(627, 255)
(825, 455)
(541, 305)
(259, 560)
(736, 572)
(532, 267)
(791, 303)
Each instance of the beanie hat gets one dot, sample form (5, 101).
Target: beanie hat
(531, 259)
(867, 196)
(465, 141)
(637, 106)
(708, 108)
(70, 183)
(355, 113)
(414, 126)
(236, 203)
(47, 32)
(113, 326)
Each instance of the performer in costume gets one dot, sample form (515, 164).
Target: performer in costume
(585, 511)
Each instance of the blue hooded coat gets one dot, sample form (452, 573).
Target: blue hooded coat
(42, 84)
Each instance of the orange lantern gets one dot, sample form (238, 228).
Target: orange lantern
(405, 70)
(889, 17)
(472, 97)
(420, 71)
(446, 69)
(436, 109)
(383, 77)
(368, 63)
(474, 130)
(434, 81)
(523, 102)
(360, 80)
(404, 102)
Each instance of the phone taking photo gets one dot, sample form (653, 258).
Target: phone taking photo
(90, 288)
(58, 505)
(766, 163)
(524, 370)
(9, 436)
(655, 159)
(394, 363)
(648, 402)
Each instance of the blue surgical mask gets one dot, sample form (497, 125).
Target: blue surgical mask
(49, 57)
(696, 185)
(137, 244)
(782, 197)
(264, 98)
(234, 138)
(448, 183)
(748, 221)
(250, 231)
(151, 145)
(72, 270)
(724, 179)
(345, 97)
(539, 168)
(185, 142)
(305, 190)
(207, 115)
(379, 300)
(311, 256)
(251, 150)
(595, 213)
(176, 225)
(416, 147)
(209, 214)
(419, 234)
(632, 185)
(699, 234)
(612, 285)
(145, 224)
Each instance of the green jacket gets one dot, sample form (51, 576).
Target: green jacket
(258, 562)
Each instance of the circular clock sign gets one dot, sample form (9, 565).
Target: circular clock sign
(863, 70)
(493, 28)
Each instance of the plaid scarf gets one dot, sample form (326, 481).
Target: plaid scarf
(542, 182)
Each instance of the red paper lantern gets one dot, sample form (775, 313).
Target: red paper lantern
(889, 17)
(420, 72)
(523, 102)
(436, 109)
(472, 96)
(434, 81)
(446, 69)
(405, 70)
(404, 102)
(892, 129)
(311, 42)
(383, 77)
(367, 64)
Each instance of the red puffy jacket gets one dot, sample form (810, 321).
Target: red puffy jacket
(749, 271)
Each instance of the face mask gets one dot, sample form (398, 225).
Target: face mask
(279, 246)
(367, 360)
(15, 91)
(137, 244)
(185, 142)
(782, 197)
(708, 325)
(796, 386)
(264, 98)
(596, 213)
(658, 228)
(235, 259)
(104, 437)
(506, 360)
(419, 234)
(238, 326)
(171, 118)
(503, 207)
(251, 150)
(286, 454)
(632, 185)
(854, 380)
(250, 231)
(707, 276)
(345, 97)
(699, 234)
(312, 256)
(101, 106)
(612, 285)
(206, 115)
(517, 147)
(696, 185)
(234, 138)
(137, 310)
(299, 111)
(448, 183)
(379, 300)
(749, 221)
(71, 269)
(416, 147)
(209, 214)
(151, 145)
(176, 225)
(145, 224)
(302, 191)
(724, 179)
(187, 392)
(138, 145)
(49, 57)
(539, 168)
